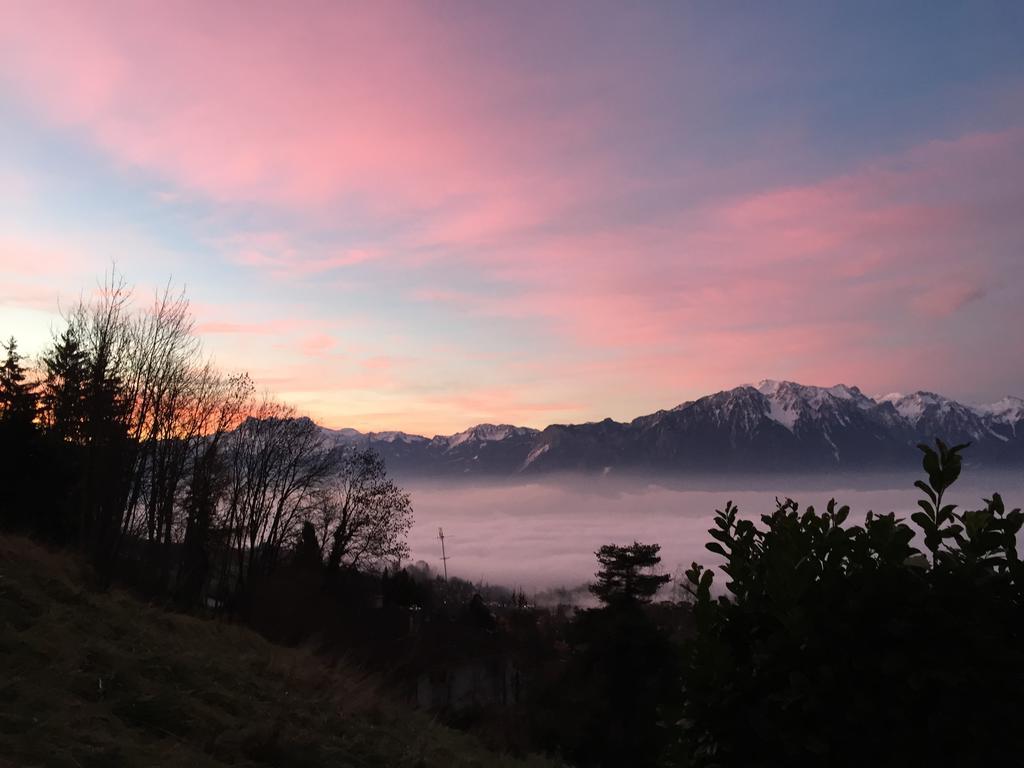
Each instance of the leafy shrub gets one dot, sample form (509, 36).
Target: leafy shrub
(846, 645)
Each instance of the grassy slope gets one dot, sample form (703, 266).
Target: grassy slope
(91, 679)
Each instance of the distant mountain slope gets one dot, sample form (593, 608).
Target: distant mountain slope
(771, 426)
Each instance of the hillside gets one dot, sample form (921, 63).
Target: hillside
(101, 679)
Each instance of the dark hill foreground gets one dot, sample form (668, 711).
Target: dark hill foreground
(101, 679)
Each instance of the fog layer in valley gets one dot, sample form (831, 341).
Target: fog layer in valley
(544, 534)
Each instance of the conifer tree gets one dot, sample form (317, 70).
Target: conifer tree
(621, 681)
(64, 387)
(19, 460)
(17, 398)
(625, 573)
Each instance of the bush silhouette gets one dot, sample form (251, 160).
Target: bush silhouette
(845, 645)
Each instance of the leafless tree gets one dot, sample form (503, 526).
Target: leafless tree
(218, 410)
(363, 514)
(276, 462)
(102, 327)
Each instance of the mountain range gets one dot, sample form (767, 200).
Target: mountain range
(773, 426)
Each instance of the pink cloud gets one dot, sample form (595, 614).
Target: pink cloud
(28, 257)
(39, 274)
(281, 257)
(395, 119)
(220, 327)
(317, 344)
(947, 298)
(241, 107)
(26, 296)
(838, 280)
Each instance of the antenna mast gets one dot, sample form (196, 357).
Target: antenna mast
(444, 557)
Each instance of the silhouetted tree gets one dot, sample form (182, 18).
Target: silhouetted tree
(844, 645)
(62, 415)
(620, 691)
(217, 409)
(276, 464)
(625, 575)
(17, 396)
(308, 554)
(205, 489)
(479, 615)
(401, 589)
(63, 389)
(19, 461)
(363, 513)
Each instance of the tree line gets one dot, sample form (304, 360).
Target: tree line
(124, 439)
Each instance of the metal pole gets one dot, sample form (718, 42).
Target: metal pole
(444, 558)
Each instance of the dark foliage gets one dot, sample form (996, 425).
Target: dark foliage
(307, 554)
(845, 645)
(624, 574)
(20, 447)
(17, 398)
(618, 696)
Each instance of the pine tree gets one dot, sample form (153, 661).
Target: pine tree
(622, 678)
(625, 573)
(19, 459)
(64, 388)
(17, 398)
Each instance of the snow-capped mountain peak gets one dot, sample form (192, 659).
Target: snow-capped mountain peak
(344, 433)
(488, 433)
(913, 407)
(1009, 410)
(790, 403)
(769, 387)
(844, 392)
(935, 415)
(394, 436)
(349, 436)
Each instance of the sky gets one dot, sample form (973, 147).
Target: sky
(426, 215)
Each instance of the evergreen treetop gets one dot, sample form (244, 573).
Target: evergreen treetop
(625, 574)
(17, 398)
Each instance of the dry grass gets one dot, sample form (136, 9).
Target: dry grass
(91, 679)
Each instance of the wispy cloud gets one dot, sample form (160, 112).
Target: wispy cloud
(594, 214)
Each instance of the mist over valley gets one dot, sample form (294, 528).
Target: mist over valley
(540, 534)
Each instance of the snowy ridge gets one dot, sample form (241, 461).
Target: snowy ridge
(791, 403)
(391, 437)
(1009, 410)
(768, 426)
(486, 433)
(912, 407)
